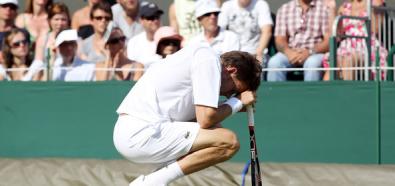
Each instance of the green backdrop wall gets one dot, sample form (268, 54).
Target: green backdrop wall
(334, 122)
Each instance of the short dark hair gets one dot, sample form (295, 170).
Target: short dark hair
(105, 6)
(248, 67)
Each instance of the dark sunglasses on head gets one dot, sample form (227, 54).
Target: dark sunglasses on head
(170, 42)
(116, 40)
(99, 18)
(19, 43)
(9, 5)
(211, 13)
(152, 18)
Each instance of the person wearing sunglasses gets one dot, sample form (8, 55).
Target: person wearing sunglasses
(68, 66)
(92, 48)
(118, 66)
(221, 40)
(168, 41)
(81, 20)
(142, 47)
(17, 58)
(183, 20)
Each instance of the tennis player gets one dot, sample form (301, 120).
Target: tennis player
(171, 115)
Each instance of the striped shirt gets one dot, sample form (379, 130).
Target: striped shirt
(303, 29)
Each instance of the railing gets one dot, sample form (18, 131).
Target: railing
(48, 71)
(383, 24)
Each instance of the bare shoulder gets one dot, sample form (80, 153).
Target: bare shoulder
(21, 19)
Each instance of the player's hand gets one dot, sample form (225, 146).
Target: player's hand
(247, 97)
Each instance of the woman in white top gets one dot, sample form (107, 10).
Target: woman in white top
(16, 56)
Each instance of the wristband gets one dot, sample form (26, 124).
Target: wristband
(235, 104)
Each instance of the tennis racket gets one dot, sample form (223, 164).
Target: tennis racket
(255, 168)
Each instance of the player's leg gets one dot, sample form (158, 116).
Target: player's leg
(211, 146)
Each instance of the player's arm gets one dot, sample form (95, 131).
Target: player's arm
(208, 117)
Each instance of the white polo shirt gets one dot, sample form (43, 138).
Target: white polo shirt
(170, 88)
(224, 42)
(78, 71)
(140, 49)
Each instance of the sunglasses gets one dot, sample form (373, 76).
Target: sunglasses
(116, 40)
(9, 5)
(100, 18)
(152, 18)
(211, 13)
(170, 42)
(19, 43)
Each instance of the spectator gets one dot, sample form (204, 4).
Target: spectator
(67, 66)
(167, 41)
(351, 51)
(8, 13)
(142, 47)
(58, 19)
(115, 46)
(220, 39)
(81, 20)
(34, 19)
(251, 20)
(301, 37)
(93, 47)
(126, 17)
(17, 58)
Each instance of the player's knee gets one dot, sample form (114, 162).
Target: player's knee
(232, 144)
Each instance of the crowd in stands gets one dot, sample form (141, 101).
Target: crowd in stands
(120, 41)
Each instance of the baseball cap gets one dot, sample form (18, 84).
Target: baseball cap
(66, 35)
(206, 6)
(15, 2)
(149, 9)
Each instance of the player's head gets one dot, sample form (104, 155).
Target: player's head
(241, 72)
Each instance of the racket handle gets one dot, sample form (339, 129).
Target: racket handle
(250, 112)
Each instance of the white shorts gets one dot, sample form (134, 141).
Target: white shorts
(141, 142)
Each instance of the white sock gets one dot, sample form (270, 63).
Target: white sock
(164, 175)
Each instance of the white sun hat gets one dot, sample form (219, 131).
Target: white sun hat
(66, 35)
(15, 2)
(206, 6)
